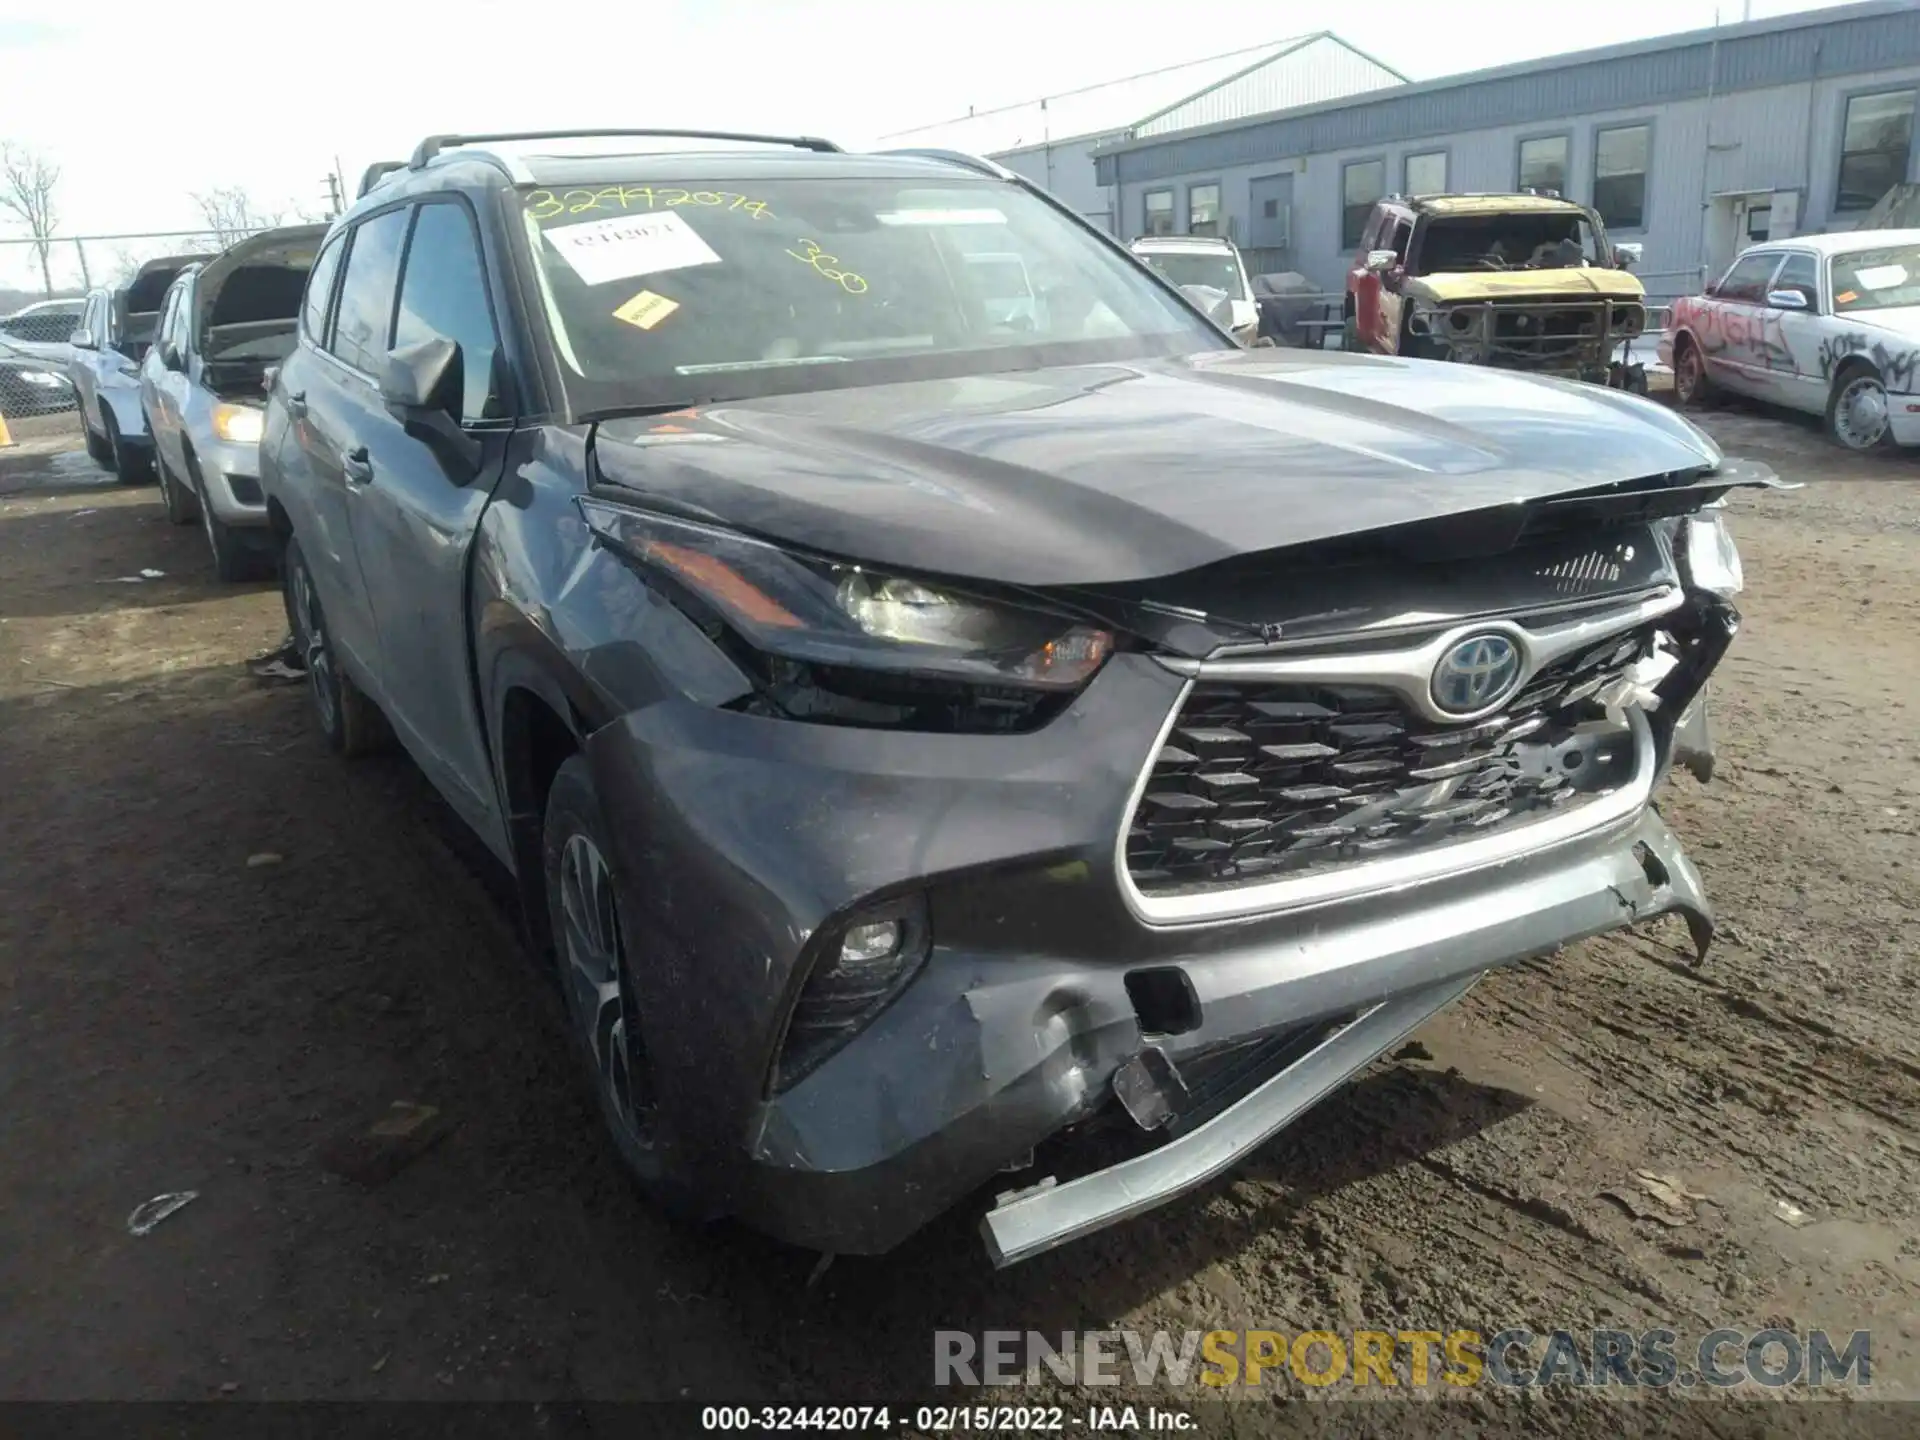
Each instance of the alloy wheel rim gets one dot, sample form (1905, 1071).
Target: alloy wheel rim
(313, 643)
(602, 1003)
(1861, 415)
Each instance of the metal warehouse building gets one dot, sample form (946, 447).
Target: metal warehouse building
(1693, 144)
(1052, 141)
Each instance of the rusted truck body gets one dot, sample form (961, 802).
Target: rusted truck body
(1520, 282)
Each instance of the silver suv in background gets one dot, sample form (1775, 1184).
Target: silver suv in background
(223, 327)
(40, 331)
(116, 326)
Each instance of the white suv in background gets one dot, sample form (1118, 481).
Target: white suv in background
(1205, 262)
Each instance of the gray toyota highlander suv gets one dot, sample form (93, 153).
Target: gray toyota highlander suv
(934, 742)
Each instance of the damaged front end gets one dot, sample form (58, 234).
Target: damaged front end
(1572, 337)
(1327, 769)
(1100, 885)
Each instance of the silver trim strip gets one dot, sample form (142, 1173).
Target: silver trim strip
(1043, 1219)
(1396, 872)
(1409, 672)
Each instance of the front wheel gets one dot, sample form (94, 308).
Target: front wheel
(1857, 414)
(182, 505)
(350, 721)
(592, 951)
(98, 449)
(234, 557)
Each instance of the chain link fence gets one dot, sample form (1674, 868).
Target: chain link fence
(43, 289)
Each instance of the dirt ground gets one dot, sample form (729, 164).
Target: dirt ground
(177, 1013)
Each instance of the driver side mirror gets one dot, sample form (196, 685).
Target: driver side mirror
(1787, 300)
(423, 387)
(1380, 261)
(1628, 254)
(82, 339)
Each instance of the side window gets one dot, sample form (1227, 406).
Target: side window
(1362, 182)
(364, 316)
(1400, 239)
(313, 310)
(175, 326)
(164, 330)
(444, 295)
(1747, 280)
(1800, 272)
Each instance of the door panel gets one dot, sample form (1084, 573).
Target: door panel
(414, 517)
(336, 404)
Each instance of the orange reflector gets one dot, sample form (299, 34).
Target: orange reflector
(720, 581)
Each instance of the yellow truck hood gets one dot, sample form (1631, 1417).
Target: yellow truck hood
(1514, 284)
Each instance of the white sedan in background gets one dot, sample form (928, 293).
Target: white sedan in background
(1828, 324)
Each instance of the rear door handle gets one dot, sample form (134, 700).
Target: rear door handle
(297, 404)
(357, 467)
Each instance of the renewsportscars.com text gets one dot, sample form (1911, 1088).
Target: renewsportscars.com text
(1514, 1358)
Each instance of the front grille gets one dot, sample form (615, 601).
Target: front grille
(1260, 781)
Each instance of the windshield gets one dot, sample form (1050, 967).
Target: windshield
(1553, 240)
(1876, 279)
(1214, 270)
(670, 294)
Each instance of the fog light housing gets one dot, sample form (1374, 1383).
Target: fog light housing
(854, 968)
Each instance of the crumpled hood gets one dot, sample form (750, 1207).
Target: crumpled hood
(1570, 281)
(1110, 473)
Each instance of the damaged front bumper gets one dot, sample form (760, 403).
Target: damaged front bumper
(1046, 1003)
(1554, 337)
(1421, 963)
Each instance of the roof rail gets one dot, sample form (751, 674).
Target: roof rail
(434, 144)
(377, 172)
(979, 164)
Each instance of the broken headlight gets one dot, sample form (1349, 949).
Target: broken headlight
(829, 613)
(1713, 563)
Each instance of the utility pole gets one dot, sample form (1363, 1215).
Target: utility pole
(334, 207)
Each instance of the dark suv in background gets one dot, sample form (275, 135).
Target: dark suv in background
(934, 741)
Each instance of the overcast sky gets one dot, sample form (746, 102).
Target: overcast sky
(142, 102)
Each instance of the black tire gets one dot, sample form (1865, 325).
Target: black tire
(98, 450)
(1857, 388)
(183, 506)
(236, 555)
(1692, 386)
(131, 466)
(591, 959)
(351, 723)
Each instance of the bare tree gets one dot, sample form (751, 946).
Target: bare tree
(230, 215)
(27, 181)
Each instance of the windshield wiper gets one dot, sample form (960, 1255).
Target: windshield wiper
(721, 367)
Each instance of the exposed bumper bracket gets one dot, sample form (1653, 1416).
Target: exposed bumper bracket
(1042, 1219)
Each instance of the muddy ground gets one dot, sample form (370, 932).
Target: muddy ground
(174, 1017)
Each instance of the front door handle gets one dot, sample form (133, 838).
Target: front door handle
(297, 404)
(357, 467)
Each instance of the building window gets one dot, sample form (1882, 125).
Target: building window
(1361, 184)
(1874, 148)
(1620, 175)
(1759, 222)
(1159, 212)
(1427, 174)
(1543, 164)
(1203, 209)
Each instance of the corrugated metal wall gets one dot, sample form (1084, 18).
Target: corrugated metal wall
(1649, 78)
(1322, 69)
(1782, 138)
